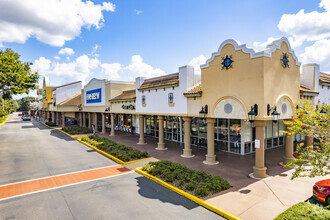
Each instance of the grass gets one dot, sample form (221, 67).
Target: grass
(119, 151)
(304, 211)
(75, 129)
(195, 182)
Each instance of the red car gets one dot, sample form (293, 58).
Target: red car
(321, 191)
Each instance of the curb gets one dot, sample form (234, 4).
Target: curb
(6, 117)
(98, 150)
(189, 196)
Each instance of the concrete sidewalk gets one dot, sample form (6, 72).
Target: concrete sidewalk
(247, 198)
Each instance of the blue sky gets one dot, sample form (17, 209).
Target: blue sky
(121, 40)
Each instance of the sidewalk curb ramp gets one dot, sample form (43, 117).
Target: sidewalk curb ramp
(188, 196)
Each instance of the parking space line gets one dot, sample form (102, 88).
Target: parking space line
(53, 182)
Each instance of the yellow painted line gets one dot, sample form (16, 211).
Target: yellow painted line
(98, 150)
(6, 117)
(189, 196)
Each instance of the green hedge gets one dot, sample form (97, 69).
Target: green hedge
(50, 123)
(195, 182)
(75, 129)
(304, 210)
(2, 119)
(120, 151)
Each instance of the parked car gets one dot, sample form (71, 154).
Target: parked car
(321, 191)
(26, 118)
(19, 114)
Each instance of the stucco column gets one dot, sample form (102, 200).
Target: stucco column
(161, 143)
(309, 140)
(141, 127)
(56, 119)
(80, 119)
(187, 152)
(89, 120)
(83, 119)
(103, 123)
(210, 156)
(259, 169)
(288, 146)
(63, 120)
(53, 116)
(112, 118)
(95, 120)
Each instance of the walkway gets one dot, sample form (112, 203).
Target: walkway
(248, 198)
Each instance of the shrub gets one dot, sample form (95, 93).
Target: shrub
(74, 129)
(50, 123)
(120, 151)
(304, 210)
(202, 191)
(200, 182)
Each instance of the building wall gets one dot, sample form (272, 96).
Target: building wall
(194, 106)
(157, 99)
(116, 107)
(310, 78)
(66, 92)
(254, 78)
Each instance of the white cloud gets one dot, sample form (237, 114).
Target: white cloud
(57, 58)
(262, 45)
(138, 68)
(137, 12)
(42, 66)
(95, 49)
(111, 70)
(66, 51)
(318, 53)
(52, 22)
(79, 69)
(311, 26)
(196, 62)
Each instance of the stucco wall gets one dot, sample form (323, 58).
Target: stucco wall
(157, 100)
(66, 92)
(194, 106)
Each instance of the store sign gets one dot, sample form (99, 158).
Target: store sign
(44, 94)
(131, 107)
(94, 96)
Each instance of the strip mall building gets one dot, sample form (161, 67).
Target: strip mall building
(210, 110)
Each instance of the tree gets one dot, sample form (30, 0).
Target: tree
(313, 121)
(15, 76)
(7, 106)
(24, 103)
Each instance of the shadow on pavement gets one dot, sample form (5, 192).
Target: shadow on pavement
(152, 190)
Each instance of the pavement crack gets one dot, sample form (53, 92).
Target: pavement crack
(274, 193)
(66, 202)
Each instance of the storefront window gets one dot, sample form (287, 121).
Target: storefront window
(235, 135)
(199, 132)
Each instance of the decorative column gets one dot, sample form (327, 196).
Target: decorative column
(309, 140)
(210, 156)
(259, 170)
(112, 132)
(95, 120)
(89, 120)
(53, 116)
(83, 119)
(80, 119)
(63, 120)
(187, 152)
(141, 127)
(288, 146)
(57, 121)
(103, 123)
(161, 143)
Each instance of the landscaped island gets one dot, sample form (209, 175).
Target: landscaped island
(119, 151)
(197, 183)
(75, 129)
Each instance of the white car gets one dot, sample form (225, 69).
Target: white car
(26, 118)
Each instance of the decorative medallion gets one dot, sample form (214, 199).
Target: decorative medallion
(227, 62)
(284, 108)
(285, 60)
(228, 108)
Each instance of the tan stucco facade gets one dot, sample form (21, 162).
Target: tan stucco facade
(260, 80)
